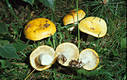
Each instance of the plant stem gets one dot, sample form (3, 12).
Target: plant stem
(54, 36)
(29, 75)
(54, 42)
(78, 25)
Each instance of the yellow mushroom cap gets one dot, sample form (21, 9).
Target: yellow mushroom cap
(66, 53)
(39, 28)
(72, 17)
(89, 58)
(94, 26)
(44, 52)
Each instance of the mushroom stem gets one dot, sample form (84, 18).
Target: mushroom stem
(45, 59)
(71, 28)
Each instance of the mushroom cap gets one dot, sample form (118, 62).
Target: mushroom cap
(94, 26)
(89, 58)
(39, 28)
(72, 16)
(42, 50)
(66, 53)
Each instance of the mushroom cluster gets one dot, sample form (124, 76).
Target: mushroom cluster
(93, 26)
(67, 54)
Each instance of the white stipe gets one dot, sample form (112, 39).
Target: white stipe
(45, 59)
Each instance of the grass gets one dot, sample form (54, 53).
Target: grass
(110, 48)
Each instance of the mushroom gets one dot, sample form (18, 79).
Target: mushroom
(42, 57)
(39, 28)
(72, 17)
(67, 53)
(94, 26)
(89, 59)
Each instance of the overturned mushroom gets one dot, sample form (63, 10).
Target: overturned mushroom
(89, 59)
(39, 28)
(94, 26)
(42, 58)
(67, 52)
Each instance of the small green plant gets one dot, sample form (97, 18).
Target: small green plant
(7, 50)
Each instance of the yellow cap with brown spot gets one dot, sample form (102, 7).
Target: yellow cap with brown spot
(94, 26)
(39, 28)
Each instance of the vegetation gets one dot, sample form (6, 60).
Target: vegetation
(15, 48)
